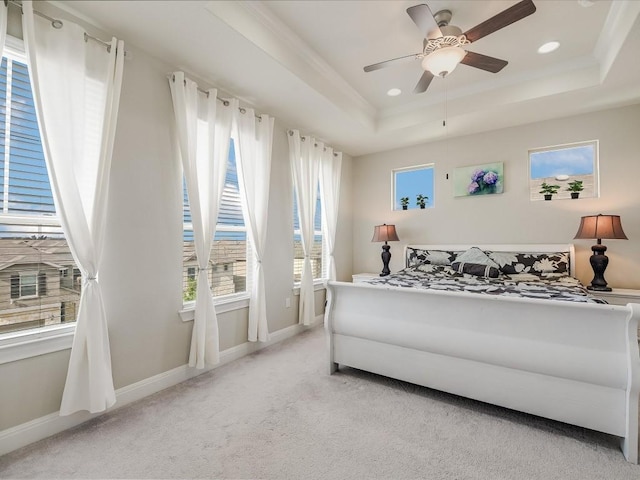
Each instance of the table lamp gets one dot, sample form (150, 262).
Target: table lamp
(599, 227)
(385, 233)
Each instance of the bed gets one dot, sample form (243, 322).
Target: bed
(562, 356)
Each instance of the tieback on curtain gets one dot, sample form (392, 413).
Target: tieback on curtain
(89, 279)
(304, 139)
(204, 269)
(58, 24)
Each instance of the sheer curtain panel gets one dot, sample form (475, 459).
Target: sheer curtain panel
(330, 172)
(253, 150)
(304, 156)
(76, 89)
(203, 126)
(3, 26)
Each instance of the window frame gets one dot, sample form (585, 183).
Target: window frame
(24, 275)
(324, 274)
(232, 301)
(31, 342)
(534, 194)
(394, 186)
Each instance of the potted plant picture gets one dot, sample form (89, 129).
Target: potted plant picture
(421, 201)
(404, 201)
(575, 188)
(548, 190)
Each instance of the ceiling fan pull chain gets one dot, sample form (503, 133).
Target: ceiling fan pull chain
(446, 91)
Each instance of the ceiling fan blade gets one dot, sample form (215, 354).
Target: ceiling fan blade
(483, 62)
(423, 18)
(393, 61)
(501, 20)
(424, 82)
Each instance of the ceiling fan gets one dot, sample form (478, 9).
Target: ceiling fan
(442, 46)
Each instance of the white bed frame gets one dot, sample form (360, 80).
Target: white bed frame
(572, 362)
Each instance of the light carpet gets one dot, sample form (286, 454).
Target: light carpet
(276, 414)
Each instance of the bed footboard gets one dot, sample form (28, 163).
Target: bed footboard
(572, 362)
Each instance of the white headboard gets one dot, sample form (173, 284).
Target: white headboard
(534, 248)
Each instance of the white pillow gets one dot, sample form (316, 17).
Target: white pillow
(475, 255)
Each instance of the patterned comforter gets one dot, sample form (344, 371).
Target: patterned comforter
(440, 277)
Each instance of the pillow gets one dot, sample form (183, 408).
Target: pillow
(417, 256)
(475, 255)
(476, 269)
(535, 263)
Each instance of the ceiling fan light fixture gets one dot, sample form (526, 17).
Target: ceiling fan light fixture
(443, 61)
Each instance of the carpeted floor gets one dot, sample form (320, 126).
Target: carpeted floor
(277, 415)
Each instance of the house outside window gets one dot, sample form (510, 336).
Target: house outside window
(318, 254)
(229, 252)
(34, 255)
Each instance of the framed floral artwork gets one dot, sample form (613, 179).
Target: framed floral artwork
(476, 180)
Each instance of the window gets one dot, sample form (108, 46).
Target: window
(568, 171)
(35, 287)
(318, 262)
(28, 285)
(410, 186)
(228, 261)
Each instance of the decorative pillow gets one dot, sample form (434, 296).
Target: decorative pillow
(534, 263)
(475, 255)
(417, 256)
(477, 269)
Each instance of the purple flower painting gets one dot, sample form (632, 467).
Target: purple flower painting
(478, 180)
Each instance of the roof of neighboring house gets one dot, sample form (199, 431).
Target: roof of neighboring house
(30, 251)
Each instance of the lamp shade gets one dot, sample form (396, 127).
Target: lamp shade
(601, 226)
(385, 233)
(443, 61)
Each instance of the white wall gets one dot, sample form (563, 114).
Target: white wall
(510, 217)
(142, 274)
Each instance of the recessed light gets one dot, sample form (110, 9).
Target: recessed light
(394, 92)
(586, 3)
(548, 47)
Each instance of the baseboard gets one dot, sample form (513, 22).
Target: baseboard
(43, 427)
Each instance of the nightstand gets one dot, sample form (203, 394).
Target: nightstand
(618, 296)
(363, 277)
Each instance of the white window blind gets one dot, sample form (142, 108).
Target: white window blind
(39, 282)
(228, 261)
(318, 263)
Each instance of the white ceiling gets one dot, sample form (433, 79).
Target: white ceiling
(302, 62)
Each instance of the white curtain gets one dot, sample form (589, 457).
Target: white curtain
(3, 26)
(203, 126)
(76, 86)
(253, 154)
(304, 156)
(330, 172)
